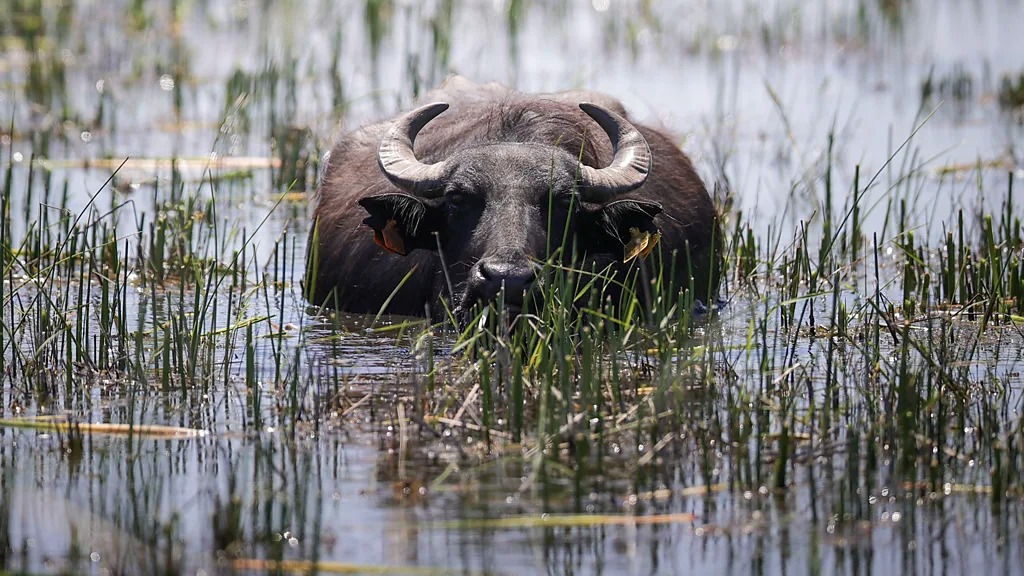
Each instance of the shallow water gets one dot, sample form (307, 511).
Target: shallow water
(328, 469)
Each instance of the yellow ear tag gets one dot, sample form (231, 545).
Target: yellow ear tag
(390, 239)
(651, 243)
(638, 242)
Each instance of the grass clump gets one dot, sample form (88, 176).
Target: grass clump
(1011, 95)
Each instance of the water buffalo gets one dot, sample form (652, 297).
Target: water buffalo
(460, 198)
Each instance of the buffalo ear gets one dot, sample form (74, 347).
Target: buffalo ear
(622, 226)
(401, 223)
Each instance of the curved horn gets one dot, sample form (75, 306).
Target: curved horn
(630, 165)
(397, 160)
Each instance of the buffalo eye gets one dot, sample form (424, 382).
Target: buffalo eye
(455, 198)
(459, 201)
(457, 195)
(567, 201)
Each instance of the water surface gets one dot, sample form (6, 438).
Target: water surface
(311, 454)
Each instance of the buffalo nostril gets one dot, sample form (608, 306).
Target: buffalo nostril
(514, 278)
(519, 281)
(486, 271)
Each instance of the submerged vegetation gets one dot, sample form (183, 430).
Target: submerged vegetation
(169, 403)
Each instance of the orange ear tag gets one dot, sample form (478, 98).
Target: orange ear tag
(390, 239)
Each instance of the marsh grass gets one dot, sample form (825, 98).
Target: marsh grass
(868, 366)
(856, 373)
(886, 366)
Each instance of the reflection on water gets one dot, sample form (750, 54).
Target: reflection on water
(318, 459)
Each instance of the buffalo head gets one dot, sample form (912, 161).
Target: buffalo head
(498, 209)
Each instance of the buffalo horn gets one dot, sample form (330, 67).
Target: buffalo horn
(631, 162)
(397, 160)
